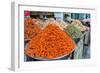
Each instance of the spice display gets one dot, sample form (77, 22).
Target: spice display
(79, 25)
(51, 42)
(73, 31)
(40, 22)
(62, 24)
(52, 21)
(31, 29)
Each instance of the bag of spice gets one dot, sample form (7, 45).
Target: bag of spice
(73, 31)
(79, 25)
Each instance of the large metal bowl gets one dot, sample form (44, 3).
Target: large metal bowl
(43, 59)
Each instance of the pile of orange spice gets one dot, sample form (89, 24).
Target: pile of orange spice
(31, 29)
(51, 42)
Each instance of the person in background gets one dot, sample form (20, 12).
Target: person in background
(86, 23)
(68, 19)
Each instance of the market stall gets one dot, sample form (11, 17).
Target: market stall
(49, 37)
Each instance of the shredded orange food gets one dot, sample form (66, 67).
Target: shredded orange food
(51, 42)
(31, 29)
